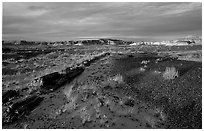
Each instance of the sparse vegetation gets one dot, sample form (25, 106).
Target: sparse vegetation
(103, 93)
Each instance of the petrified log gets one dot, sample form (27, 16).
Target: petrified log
(8, 95)
(51, 81)
(21, 108)
(72, 73)
(89, 62)
(55, 80)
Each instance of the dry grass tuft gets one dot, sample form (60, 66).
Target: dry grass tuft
(170, 73)
(117, 78)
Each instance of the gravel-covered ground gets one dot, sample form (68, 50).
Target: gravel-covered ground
(117, 87)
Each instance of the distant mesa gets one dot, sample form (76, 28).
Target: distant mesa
(188, 40)
(67, 43)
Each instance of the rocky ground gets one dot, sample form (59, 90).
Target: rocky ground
(104, 87)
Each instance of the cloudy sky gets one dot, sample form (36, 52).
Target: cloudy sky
(69, 21)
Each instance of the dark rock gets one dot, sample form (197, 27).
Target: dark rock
(8, 95)
(130, 55)
(101, 101)
(107, 87)
(21, 108)
(116, 99)
(129, 102)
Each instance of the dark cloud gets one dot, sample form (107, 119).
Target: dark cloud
(64, 21)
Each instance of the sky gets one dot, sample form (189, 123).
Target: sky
(121, 20)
